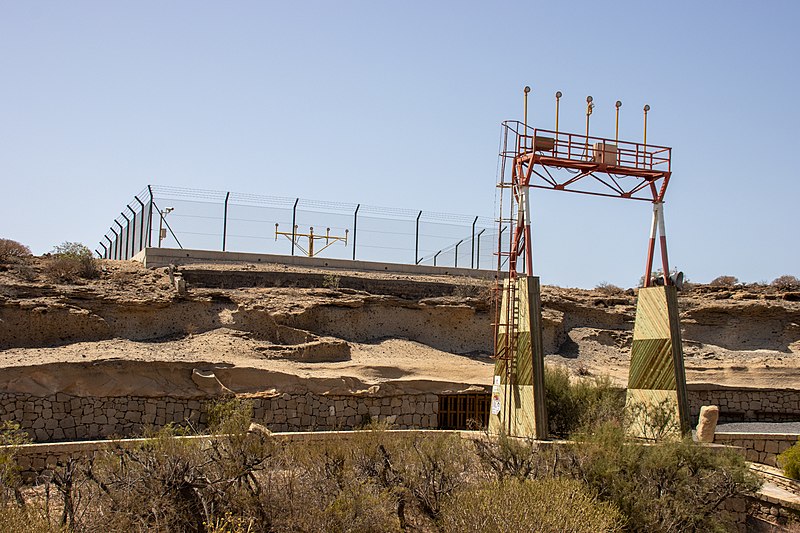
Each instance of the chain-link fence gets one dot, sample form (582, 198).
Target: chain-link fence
(173, 217)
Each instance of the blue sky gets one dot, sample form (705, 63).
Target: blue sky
(399, 104)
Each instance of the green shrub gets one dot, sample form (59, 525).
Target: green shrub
(543, 505)
(11, 250)
(71, 260)
(672, 486)
(789, 461)
(574, 404)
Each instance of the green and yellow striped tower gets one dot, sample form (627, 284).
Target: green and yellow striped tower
(518, 403)
(657, 379)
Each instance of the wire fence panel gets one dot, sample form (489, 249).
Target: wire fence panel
(172, 217)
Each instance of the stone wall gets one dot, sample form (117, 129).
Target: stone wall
(745, 405)
(62, 417)
(758, 448)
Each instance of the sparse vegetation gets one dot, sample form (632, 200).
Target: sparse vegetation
(674, 486)
(12, 250)
(331, 281)
(786, 283)
(609, 289)
(583, 402)
(541, 505)
(724, 281)
(241, 481)
(70, 261)
(789, 461)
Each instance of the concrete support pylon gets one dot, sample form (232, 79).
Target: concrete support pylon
(518, 405)
(656, 395)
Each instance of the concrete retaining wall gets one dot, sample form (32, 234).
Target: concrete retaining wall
(160, 257)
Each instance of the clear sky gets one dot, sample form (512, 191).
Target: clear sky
(399, 104)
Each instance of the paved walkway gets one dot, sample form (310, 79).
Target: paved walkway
(760, 427)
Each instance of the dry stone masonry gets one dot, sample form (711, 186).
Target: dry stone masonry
(63, 417)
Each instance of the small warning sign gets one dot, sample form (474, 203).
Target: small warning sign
(496, 396)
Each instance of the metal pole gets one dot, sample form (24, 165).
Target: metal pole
(663, 241)
(355, 227)
(105, 250)
(116, 242)
(416, 240)
(127, 231)
(526, 90)
(133, 234)
(616, 129)
(99, 255)
(160, 227)
(225, 221)
(141, 224)
(478, 253)
(150, 218)
(558, 102)
(294, 222)
(435, 256)
(120, 254)
(110, 245)
(651, 246)
(455, 263)
(472, 260)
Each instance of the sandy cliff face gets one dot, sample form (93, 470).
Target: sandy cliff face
(269, 327)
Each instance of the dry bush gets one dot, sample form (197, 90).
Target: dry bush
(609, 289)
(511, 458)
(70, 261)
(543, 505)
(786, 283)
(11, 436)
(724, 281)
(669, 487)
(12, 250)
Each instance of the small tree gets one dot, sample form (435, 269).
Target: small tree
(724, 281)
(786, 283)
(71, 260)
(11, 250)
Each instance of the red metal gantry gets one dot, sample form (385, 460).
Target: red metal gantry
(562, 161)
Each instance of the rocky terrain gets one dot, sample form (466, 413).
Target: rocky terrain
(267, 328)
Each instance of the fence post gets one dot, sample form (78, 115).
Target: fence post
(355, 227)
(104, 250)
(294, 222)
(110, 245)
(416, 245)
(150, 218)
(478, 253)
(225, 221)
(456, 259)
(472, 260)
(141, 224)
(435, 256)
(116, 242)
(133, 234)
(119, 238)
(127, 235)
